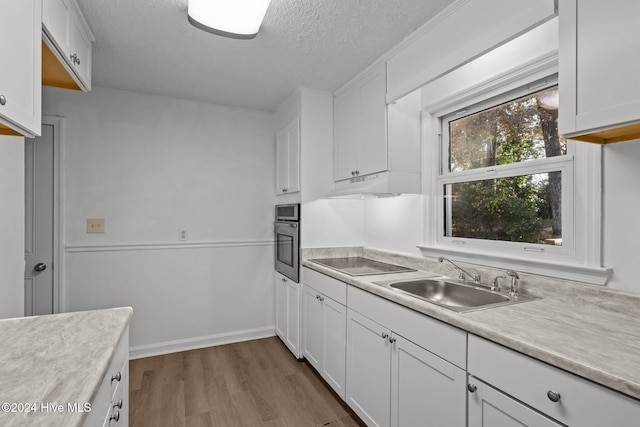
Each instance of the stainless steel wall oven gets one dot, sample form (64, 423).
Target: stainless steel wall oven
(287, 240)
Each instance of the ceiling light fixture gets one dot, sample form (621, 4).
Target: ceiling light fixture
(238, 19)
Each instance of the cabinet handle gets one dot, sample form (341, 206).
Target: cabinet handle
(75, 59)
(553, 396)
(321, 298)
(115, 417)
(472, 388)
(384, 335)
(284, 190)
(283, 279)
(357, 172)
(117, 377)
(118, 404)
(3, 100)
(392, 340)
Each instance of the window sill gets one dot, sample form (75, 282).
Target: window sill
(575, 272)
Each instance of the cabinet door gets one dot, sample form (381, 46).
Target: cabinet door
(490, 408)
(347, 134)
(425, 389)
(599, 66)
(368, 369)
(372, 147)
(312, 327)
(293, 317)
(20, 73)
(288, 158)
(80, 50)
(281, 307)
(334, 356)
(55, 20)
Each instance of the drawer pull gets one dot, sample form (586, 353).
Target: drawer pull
(118, 404)
(472, 388)
(553, 396)
(117, 377)
(115, 417)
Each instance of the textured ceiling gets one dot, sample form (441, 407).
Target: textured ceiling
(148, 46)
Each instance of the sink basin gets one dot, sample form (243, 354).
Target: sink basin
(455, 296)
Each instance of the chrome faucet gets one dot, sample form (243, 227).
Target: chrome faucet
(462, 272)
(495, 286)
(514, 282)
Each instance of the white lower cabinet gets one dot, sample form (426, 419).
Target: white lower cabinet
(490, 408)
(368, 369)
(541, 388)
(288, 312)
(323, 337)
(392, 381)
(110, 405)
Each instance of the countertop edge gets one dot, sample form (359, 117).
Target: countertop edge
(614, 382)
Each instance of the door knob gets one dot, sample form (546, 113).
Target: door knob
(41, 266)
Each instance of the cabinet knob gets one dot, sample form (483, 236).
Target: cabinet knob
(472, 388)
(115, 417)
(392, 340)
(384, 335)
(118, 404)
(284, 190)
(117, 377)
(353, 173)
(283, 279)
(75, 59)
(357, 172)
(321, 298)
(553, 396)
(3, 100)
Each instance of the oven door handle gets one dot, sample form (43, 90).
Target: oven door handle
(290, 224)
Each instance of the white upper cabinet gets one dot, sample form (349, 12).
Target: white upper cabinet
(360, 126)
(288, 158)
(20, 73)
(67, 51)
(599, 68)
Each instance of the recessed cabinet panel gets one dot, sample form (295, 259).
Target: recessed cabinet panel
(288, 158)
(312, 327)
(360, 127)
(368, 369)
(425, 390)
(20, 73)
(599, 67)
(287, 312)
(55, 21)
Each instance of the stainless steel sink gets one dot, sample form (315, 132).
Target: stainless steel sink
(455, 296)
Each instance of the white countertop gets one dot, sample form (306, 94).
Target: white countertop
(52, 360)
(593, 333)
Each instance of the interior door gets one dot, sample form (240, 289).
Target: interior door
(39, 187)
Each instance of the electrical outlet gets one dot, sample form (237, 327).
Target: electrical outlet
(95, 225)
(183, 234)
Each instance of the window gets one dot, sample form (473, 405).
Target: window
(503, 170)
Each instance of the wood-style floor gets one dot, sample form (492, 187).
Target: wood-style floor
(253, 383)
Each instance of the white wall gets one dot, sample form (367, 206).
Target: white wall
(621, 214)
(151, 165)
(11, 226)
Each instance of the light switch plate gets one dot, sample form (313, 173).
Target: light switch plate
(95, 225)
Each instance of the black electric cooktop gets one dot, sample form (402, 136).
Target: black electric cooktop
(358, 266)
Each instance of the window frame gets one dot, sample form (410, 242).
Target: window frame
(563, 164)
(488, 77)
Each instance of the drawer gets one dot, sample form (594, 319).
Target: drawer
(101, 406)
(581, 402)
(334, 289)
(441, 339)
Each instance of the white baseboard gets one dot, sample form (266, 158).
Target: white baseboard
(199, 342)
